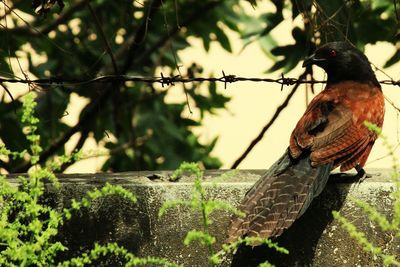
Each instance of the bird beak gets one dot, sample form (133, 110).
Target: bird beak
(308, 61)
(311, 60)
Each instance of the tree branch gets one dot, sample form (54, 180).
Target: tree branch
(91, 110)
(30, 30)
(103, 37)
(139, 35)
(10, 9)
(137, 38)
(269, 124)
(190, 19)
(105, 94)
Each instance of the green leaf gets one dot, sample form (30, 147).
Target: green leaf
(393, 59)
(223, 39)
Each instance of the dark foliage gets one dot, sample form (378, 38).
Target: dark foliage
(83, 39)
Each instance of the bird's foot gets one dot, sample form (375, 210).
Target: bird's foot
(361, 174)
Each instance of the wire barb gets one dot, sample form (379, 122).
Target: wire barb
(287, 81)
(166, 80)
(227, 79)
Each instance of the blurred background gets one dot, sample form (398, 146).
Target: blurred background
(125, 125)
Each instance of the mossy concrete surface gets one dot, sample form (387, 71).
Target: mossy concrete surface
(314, 240)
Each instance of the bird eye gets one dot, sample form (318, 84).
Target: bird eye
(332, 53)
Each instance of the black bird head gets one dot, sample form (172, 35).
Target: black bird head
(342, 62)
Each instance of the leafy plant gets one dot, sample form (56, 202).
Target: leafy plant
(360, 22)
(374, 215)
(134, 121)
(200, 203)
(28, 227)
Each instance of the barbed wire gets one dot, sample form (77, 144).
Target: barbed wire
(167, 80)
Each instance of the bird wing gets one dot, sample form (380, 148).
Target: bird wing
(328, 130)
(330, 133)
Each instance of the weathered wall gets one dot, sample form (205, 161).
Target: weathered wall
(313, 240)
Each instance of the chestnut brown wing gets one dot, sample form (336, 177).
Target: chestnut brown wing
(327, 130)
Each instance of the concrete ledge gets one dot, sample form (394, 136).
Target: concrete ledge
(314, 240)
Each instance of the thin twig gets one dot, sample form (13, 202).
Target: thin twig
(103, 37)
(392, 104)
(30, 30)
(268, 125)
(91, 110)
(396, 12)
(7, 91)
(10, 9)
(139, 36)
(173, 52)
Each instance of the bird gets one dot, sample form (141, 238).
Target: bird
(330, 134)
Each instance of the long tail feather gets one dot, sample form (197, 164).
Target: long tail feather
(279, 197)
